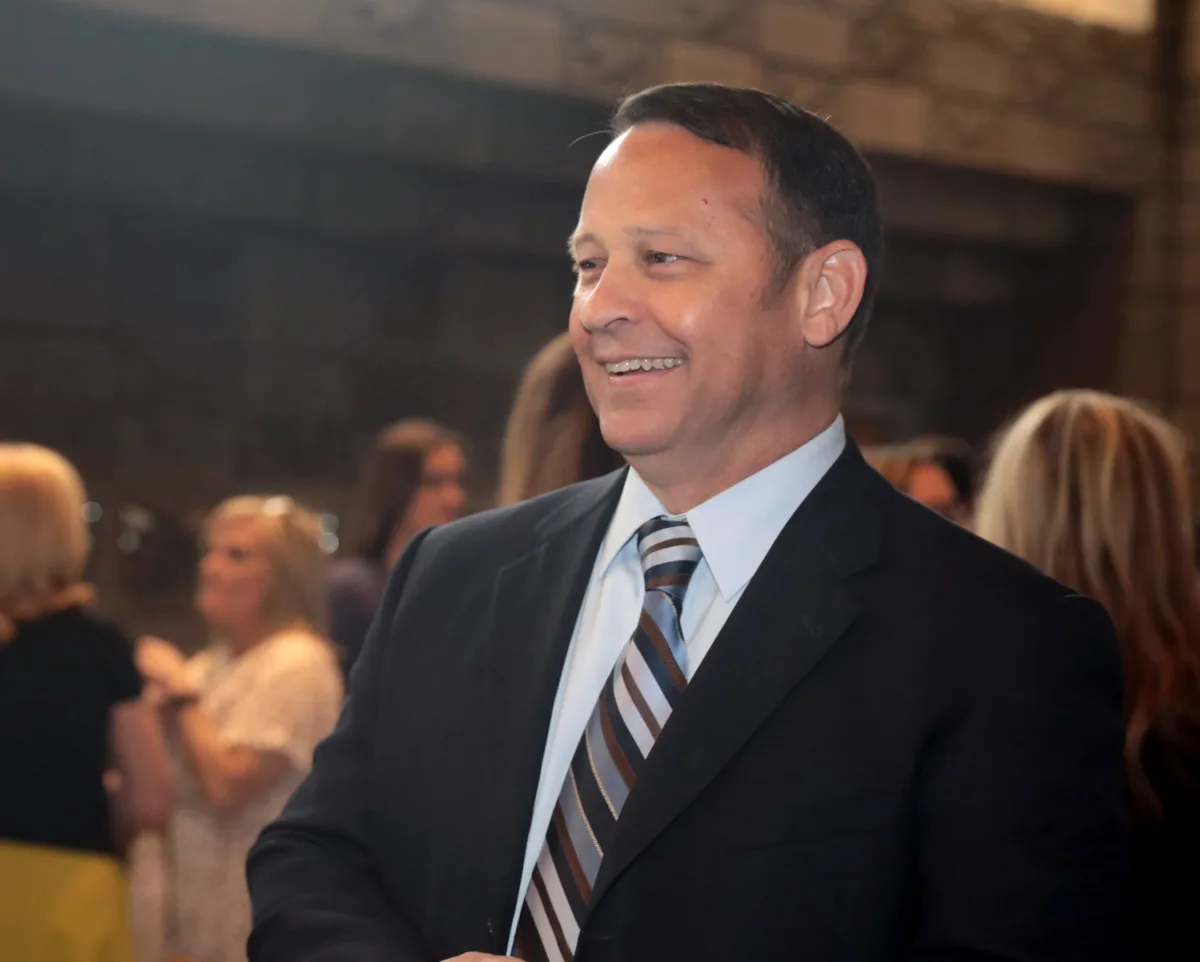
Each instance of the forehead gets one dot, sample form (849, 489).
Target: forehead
(447, 451)
(930, 480)
(661, 169)
(445, 457)
(243, 531)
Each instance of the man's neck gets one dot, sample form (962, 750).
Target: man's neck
(682, 483)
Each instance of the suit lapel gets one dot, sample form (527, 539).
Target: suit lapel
(534, 609)
(793, 610)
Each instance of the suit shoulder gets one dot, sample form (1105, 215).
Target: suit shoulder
(999, 619)
(948, 553)
(499, 535)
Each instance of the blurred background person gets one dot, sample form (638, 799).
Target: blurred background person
(553, 436)
(244, 716)
(957, 461)
(70, 710)
(413, 479)
(1093, 489)
(914, 469)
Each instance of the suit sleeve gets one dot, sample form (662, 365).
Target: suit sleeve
(1022, 806)
(313, 884)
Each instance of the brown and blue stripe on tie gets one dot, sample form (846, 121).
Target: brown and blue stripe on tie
(633, 707)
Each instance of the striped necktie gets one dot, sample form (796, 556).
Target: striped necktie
(634, 705)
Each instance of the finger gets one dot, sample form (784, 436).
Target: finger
(482, 957)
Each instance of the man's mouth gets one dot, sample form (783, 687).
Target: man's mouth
(635, 364)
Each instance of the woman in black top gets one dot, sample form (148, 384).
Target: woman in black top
(1094, 490)
(70, 712)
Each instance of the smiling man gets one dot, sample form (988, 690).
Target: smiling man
(742, 701)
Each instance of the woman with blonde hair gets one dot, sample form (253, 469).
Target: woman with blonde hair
(553, 437)
(245, 715)
(71, 710)
(1093, 489)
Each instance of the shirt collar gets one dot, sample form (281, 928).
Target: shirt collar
(737, 527)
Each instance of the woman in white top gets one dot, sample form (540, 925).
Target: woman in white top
(245, 715)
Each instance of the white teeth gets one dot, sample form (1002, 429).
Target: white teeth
(643, 364)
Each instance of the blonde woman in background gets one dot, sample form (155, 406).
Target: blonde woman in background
(244, 716)
(553, 436)
(1093, 489)
(70, 709)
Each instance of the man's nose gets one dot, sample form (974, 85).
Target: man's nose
(614, 297)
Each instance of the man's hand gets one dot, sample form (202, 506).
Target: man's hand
(480, 957)
(159, 661)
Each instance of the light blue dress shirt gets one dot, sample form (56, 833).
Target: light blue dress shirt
(735, 529)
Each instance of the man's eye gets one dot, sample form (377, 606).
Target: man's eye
(584, 265)
(661, 257)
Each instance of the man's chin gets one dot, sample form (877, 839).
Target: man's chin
(633, 447)
(636, 434)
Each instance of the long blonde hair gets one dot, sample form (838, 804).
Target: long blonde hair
(1093, 489)
(291, 537)
(553, 437)
(44, 541)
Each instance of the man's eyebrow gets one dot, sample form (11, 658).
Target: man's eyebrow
(656, 232)
(576, 240)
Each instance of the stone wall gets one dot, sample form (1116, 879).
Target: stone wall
(1185, 352)
(1159, 356)
(976, 82)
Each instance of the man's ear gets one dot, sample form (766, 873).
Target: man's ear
(831, 281)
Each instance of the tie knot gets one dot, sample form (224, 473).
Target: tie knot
(670, 554)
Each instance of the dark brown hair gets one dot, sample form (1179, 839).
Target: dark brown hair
(389, 480)
(820, 187)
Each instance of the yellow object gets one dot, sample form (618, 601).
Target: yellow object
(59, 905)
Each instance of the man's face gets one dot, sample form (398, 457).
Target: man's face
(673, 262)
